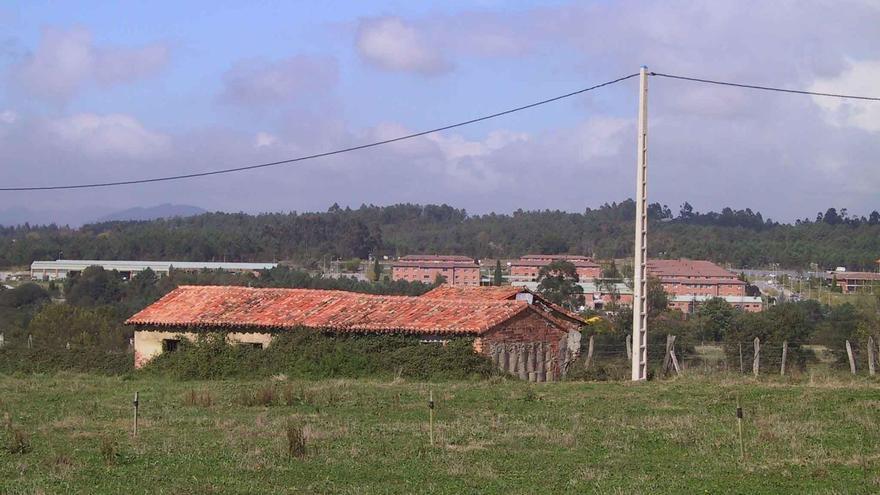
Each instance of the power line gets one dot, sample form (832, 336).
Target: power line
(765, 88)
(319, 155)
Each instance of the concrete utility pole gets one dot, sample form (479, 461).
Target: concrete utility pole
(640, 279)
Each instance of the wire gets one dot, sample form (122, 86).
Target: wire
(765, 88)
(319, 155)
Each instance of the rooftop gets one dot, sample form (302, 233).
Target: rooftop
(687, 268)
(437, 257)
(131, 265)
(497, 293)
(339, 311)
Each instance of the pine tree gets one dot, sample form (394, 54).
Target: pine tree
(498, 279)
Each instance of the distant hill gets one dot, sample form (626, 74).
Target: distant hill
(166, 210)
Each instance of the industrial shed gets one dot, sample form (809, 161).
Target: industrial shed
(519, 337)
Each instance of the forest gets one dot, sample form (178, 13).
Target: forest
(742, 238)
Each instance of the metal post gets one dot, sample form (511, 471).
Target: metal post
(640, 282)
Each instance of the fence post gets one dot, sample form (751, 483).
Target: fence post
(756, 362)
(852, 360)
(870, 355)
(30, 341)
(589, 354)
(784, 355)
(742, 368)
(629, 347)
(672, 356)
(136, 403)
(1, 340)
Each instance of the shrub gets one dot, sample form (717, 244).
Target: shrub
(201, 398)
(310, 354)
(18, 442)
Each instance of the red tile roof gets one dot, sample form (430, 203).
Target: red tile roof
(496, 293)
(551, 257)
(687, 268)
(339, 311)
(437, 257)
(541, 263)
(436, 264)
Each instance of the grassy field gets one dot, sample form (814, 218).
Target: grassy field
(804, 435)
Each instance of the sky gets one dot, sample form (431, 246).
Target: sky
(105, 91)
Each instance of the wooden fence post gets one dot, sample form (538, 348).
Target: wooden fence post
(30, 341)
(742, 368)
(756, 362)
(784, 355)
(1, 340)
(589, 354)
(670, 358)
(852, 360)
(629, 347)
(871, 360)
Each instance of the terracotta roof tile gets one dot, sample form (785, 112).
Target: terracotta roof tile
(223, 306)
(496, 293)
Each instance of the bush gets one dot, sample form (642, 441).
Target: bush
(305, 353)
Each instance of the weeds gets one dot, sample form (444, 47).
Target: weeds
(266, 395)
(109, 450)
(200, 398)
(296, 440)
(19, 441)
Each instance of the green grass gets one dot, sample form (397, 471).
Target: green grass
(802, 435)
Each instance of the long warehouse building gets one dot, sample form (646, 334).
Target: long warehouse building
(51, 270)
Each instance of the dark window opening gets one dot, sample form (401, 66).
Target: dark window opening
(170, 345)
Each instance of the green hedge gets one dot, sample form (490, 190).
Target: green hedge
(310, 354)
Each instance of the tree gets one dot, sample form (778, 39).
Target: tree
(558, 283)
(95, 286)
(439, 280)
(375, 272)
(59, 325)
(498, 278)
(657, 299)
(714, 317)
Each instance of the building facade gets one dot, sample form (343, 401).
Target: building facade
(526, 268)
(456, 270)
(59, 269)
(695, 278)
(851, 282)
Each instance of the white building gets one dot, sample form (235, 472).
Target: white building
(51, 270)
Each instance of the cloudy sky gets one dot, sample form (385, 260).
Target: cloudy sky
(103, 92)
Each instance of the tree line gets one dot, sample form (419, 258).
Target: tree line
(743, 238)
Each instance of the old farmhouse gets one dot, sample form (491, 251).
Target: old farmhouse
(506, 330)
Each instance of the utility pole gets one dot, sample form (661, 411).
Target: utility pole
(640, 279)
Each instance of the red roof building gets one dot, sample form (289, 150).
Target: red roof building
(526, 268)
(695, 278)
(456, 270)
(850, 282)
(253, 316)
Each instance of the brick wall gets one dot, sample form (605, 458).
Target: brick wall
(526, 328)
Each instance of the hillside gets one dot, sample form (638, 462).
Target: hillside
(740, 237)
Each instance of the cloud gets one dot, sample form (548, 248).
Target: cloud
(860, 78)
(391, 44)
(8, 117)
(258, 82)
(115, 134)
(66, 61)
